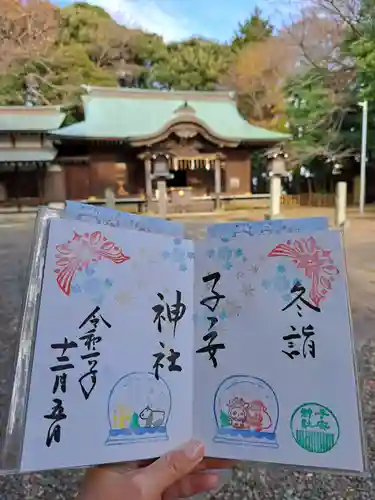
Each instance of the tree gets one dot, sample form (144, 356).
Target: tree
(323, 92)
(224, 419)
(254, 29)
(316, 114)
(362, 48)
(89, 48)
(106, 42)
(28, 28)
(196, 64)
(258, 75)
(134, 423)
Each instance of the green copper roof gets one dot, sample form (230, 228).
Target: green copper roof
(33, 119)
(27, 155)
(131, 114)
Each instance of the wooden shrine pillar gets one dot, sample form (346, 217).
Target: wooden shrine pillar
(148, 181)
(217, 183)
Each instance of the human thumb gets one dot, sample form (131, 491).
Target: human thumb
(171, 467)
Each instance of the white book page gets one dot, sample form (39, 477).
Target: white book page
(125, 220)
(116, 308)
(284, 388)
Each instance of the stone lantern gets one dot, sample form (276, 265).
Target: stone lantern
(161, 174)
(276, 170)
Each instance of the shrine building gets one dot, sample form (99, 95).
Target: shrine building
(27, 154)
(201, 135)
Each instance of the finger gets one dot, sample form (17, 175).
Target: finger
(192, 485)
(170, 468)
(217, 463)
(123, 467)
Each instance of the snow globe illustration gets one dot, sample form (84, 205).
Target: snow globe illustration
(246, 412)
(139, 408)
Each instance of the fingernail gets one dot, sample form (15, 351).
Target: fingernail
(194, 449)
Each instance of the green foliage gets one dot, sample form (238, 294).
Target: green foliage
(316, 114)
(254, 29)
(196, 64)
(224, 419)
(11, 90)
(134, 423)
(88, 8)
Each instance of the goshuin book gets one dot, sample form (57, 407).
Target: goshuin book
(140, 339)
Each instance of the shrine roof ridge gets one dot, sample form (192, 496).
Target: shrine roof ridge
(30, 119)
(170, 95)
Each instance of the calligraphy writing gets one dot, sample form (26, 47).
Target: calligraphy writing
(297, 287)
(211, 302)
(308, 346)
(175, 312)
(172, 358)
(90, 340)
(295, 339)
(60, 385)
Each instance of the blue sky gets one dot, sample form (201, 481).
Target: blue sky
(178, 19)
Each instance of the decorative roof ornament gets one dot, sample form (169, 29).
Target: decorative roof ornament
(185, 109)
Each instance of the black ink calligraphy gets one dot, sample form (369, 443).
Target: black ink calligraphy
(171, 358)
(211, 302)
(90, 340)
(57, 414)
(300, 290)
(294, 340)
(174, 312)
(60, 369)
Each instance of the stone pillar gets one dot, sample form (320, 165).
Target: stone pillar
(110, 198)
(148, 182)
(217, 183)
(340, 215)
(54, 186)
(163, 200)
(356, 190)
(275, 192)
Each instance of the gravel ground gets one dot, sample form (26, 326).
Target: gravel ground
(247, 482)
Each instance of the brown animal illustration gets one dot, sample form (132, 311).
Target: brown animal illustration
(258, 418)
(238, 413)
(244, 415)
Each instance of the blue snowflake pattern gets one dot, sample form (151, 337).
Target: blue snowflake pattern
(226, 256)
(76, 289)
(94, 287)
(223, 314)
(178, 255)
(281, 283)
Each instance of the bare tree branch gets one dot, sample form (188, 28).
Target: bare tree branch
(27, 28)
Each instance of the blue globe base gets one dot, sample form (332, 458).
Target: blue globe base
(123, 436)
(245, 437)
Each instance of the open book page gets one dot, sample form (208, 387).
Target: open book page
(125, 220)
(112, 369)
(274, 369)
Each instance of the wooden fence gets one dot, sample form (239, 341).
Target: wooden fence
(312, 200)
